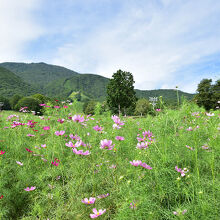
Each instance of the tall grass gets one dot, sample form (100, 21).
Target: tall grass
(134, 192)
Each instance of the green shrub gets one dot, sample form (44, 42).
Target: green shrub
(89, 107)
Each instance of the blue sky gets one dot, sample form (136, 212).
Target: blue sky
(163, 43)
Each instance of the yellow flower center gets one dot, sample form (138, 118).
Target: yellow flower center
(97, 213)
(88, 202)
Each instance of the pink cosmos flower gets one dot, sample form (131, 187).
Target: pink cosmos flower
(59, 133)
(97, 213)
(113, 166)
(91, 200)
(78, 118)
(178, 213)
(136, 163)
(65, 106)
(70, 144)
(75, 151)
(189, 129)
(56, 106)
(144, 165)
(46, 128)
(116, 120)
(205, 147)
(30, 135)
(189, 147)
(42, 104)
(116, 126)
(210, 114)
(30, 189)
(76, 137)
(119, 138)
(45, 160)
(97, 128)
(183, 172)
(19, 163)
(158, 109)
(142, 145)
(103, 196)
(107, 144)
(43, 145)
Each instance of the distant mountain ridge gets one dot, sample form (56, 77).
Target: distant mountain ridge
(57, 81)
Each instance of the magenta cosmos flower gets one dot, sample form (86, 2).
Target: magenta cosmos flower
(107, 144)
(2, 152)
(91, 200)
(30, 189)
(119, 138)
(97, 213)
(30, 151)
(78, 118)
(55, 163)
(59, 133)
(46, 128)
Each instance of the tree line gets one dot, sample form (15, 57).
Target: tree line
(121, 98)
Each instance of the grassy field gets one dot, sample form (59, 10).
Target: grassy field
(175, 175)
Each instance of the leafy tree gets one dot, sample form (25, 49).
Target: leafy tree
(14, 100)
(215, 94)
(208, 95)
(120, 92)
(6, 104)
(142, 107)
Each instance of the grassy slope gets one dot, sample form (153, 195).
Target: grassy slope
(157, 192)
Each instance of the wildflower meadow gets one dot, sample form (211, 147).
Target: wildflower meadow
(66, 165)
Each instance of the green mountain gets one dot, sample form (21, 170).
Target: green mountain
(39, 74)
(57, 81)
(11, 84)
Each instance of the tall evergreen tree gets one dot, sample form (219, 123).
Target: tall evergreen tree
(120, 92)
(208, 95)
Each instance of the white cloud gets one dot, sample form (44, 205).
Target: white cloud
(153, 41)
(18, 28)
